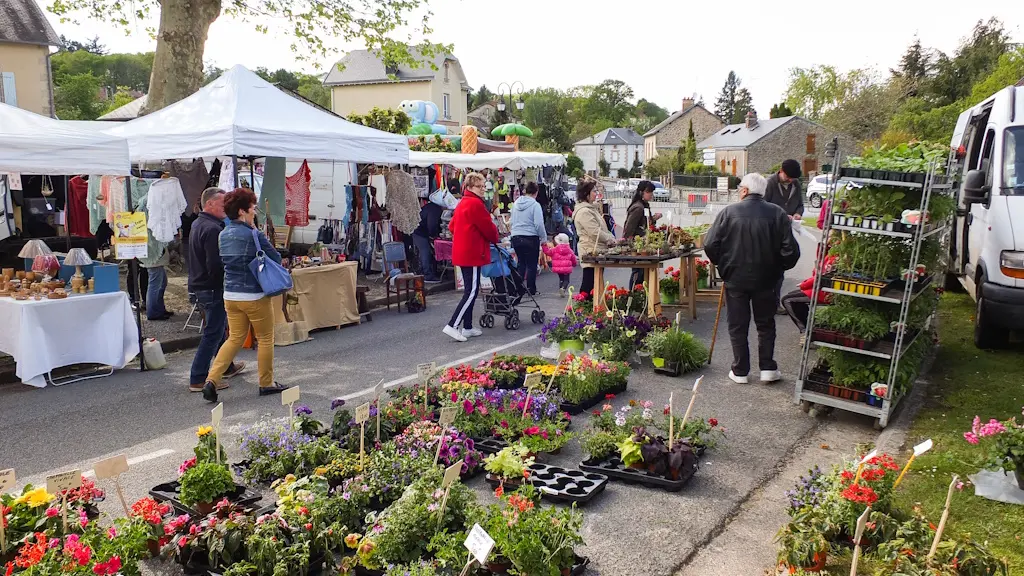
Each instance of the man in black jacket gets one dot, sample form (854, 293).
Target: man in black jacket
(424, 235)
(752, 244)
(784, 191)
(206, 287)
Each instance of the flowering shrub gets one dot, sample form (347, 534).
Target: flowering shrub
(507, 371)
(422, 437)
(1005, 442)
(273, 450)
(668, 285)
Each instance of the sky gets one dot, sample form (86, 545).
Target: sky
(665, 50)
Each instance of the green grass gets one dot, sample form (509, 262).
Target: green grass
(964, 382)
(811, 221)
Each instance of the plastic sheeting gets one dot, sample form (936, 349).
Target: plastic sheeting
(241, 114)
(488, 160)
(34, 144)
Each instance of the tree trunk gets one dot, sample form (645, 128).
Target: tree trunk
(178, 62)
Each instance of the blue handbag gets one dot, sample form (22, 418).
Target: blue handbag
(272, 277)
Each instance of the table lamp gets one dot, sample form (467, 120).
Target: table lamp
(33, 248)
(77, 257)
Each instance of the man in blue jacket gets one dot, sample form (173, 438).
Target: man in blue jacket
(528, 232)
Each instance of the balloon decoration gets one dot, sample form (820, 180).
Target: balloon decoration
(469, 139)
(424, 117)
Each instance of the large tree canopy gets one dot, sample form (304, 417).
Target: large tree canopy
(313, 24)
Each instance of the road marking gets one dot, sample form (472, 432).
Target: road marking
(412, 377)
(137, 460)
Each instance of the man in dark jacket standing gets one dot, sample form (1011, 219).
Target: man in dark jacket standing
(784, 191)
(424, 235)
(752, 244)
(206, 287)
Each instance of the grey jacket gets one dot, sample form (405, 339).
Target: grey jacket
(528, 218)
(793, 203)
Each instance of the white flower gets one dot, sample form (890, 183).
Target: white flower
(620, 420)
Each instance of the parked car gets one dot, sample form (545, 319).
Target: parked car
(817, 189)
(661, 193)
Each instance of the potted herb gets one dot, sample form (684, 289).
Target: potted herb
(675, 351)
(509, 466)
(204, 484)
(668, 286)
(1005, 443)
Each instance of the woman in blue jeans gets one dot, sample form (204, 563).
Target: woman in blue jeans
(528, 232)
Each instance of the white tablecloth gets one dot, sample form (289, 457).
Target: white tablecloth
(83, 328)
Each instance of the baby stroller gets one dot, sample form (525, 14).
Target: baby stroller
(508, 292)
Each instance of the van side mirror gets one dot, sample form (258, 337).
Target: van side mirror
(975, 189)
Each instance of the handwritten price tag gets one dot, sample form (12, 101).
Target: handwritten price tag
(111, 467)
(426, 370)
(7, 479)
(363, 413)
(479, 543)
(290, 396)
(447, 417)
(217, 414)
(532, 380)
(451, 474)
(64, 481)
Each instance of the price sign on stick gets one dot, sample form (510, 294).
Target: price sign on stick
(7, 479)
(558, 363)
(861, 522)
(377, 391)
(671, 421)
(426, 371)
(531, 382)
(111, 469)
(59, 483)
(479, 543)
(918, 450)
(451, 474)
(945, 517)
(446, 419)
(362, 415)
(215, 417)
(693, 398)
(288, 398)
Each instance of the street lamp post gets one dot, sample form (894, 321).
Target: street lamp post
(517, 88)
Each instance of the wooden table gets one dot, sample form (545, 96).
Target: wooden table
(652, 267)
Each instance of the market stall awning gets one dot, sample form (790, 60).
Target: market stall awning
(488, 160)
(34, 144)
(241, 114)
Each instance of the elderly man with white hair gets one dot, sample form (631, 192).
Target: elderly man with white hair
(752, 244)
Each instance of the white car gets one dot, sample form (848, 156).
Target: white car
(817, 189)
(661, 193)
(621, 186)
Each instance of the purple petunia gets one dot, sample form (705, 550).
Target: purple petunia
(303, 410)
(337, 403)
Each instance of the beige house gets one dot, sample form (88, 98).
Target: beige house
(673, 131)
(25, 41)
(759, 145)
(362, 83)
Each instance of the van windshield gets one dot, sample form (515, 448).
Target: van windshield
(1013, 161)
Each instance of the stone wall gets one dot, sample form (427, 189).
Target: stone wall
(704, 125)
(790, 141)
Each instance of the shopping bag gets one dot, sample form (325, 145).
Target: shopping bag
(272, 277)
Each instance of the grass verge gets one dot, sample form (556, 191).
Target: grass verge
(965, 382)
(811, 221)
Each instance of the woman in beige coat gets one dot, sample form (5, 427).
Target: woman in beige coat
(591, 230)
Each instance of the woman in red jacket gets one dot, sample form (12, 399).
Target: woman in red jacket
(473, 232)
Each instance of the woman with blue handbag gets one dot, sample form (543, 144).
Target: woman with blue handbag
(252, 276)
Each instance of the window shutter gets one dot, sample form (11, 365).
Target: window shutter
(10, 94)
(810, 143)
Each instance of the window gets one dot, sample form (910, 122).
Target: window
(447, 65)
(9, 94)
(1013, 161)
(986, 155)
(615, 155)
(446, 105)
(810, 143)
(810, 165)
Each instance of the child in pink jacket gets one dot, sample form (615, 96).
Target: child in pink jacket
(563, 260)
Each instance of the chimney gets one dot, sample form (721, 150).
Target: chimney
(687, 103)
(751, 120)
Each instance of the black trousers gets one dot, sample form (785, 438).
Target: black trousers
(464, 311)
(798, 306)
(587, 285)
(143, 285)
(636, 277)
(528, 253)
(739, 304)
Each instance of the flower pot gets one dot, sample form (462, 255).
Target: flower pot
(1018, 473)
(639, 465)
(667, 298)
(204, 508)
(819, 564)
(702, 283)
(658, 362)
(571, 345)
(498, 566)
(154, 548)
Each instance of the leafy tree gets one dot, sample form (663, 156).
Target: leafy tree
(482, 96)
(622, 173)
(814, 91)
(388, 120)
(92, 45)
(780, 111)
(184, 26)
(725, 105)
(866, 115)
(573, 163)
(120, 98)
(744, 103)
(111, 70)
(279, 77)
(688, 151)
(312, 89)
(211, 73)
(545, 112)
(915, 66)
(77, 97)
(609, 100)
(662, 164)
(603, 167)
(974, 59)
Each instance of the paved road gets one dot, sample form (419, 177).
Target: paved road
(629, 530)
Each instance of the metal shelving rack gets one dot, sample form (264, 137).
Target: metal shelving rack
(807, 399)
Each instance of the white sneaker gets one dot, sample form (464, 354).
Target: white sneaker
(771, 375)
(455, 333)
(737, 379)
(561, 292)
(472, 332)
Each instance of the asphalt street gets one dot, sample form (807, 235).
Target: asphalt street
(629, 530)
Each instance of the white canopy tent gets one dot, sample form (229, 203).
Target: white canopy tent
(34, 144)
(487, 160)
(241, 114)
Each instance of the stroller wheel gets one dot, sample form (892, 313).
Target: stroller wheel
(515, 312)
(487, 321)
(535, 317)
(514, 322)
(540, 315)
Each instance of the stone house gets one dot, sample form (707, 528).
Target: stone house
(25, 40)
(483, 116)
(363, 83)
(759, 145)
(673, 131)
(620, 147)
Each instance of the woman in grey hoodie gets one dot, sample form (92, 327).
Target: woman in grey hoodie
(528, 233)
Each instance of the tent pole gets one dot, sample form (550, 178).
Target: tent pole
(67, 214)
(133, 280)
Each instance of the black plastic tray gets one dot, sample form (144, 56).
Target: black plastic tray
(589, 403)
(613, 467)
(199, 567)
(170, 492)
(491, 445)
(562, 485)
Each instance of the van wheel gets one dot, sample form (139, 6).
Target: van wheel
(986, 334)
(815, 201)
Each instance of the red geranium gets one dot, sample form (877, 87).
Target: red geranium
(860, 493)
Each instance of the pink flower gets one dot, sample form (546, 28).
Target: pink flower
(483, 410)
(52, 512)
(544, 434)
(976, 424)
(112, 533)
(468, 407)
(971, 437)
(992, 428)
(532, 431)
(455, 396)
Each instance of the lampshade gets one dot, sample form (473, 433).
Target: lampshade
(77, 257)
(33, 248)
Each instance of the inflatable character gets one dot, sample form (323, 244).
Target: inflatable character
(424, 115)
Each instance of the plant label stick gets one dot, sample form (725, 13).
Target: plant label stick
(377, 391)
(59, 483)
(362, 415)
(425, 371)
(863, 461)
(288, 398)
(110, 469)
(945, 516)
(918, 450)
(215, 417)
(693, 398)
(861, 522)
(479, 543)
(446, 419)
(451, 474)
(7, 479)
(558, 365)
(671, 421)
(532, 381)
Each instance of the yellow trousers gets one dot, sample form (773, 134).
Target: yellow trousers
(241, 315)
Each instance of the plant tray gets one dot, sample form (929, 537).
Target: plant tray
(857, 286)
(846, 393)
(884, 175)
(197, 565)
(170, 492)
(490, 445)
(613, 467)
(589, 403)
(669, 368)
(562, 485)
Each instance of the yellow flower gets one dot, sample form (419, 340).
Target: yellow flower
(204, 430)
(35, 497)
(320, 471)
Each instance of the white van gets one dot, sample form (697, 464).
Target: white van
(326, 195)
(987, 246)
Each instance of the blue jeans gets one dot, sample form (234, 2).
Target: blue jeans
(155, 293)
(426, 256)
(214, 333)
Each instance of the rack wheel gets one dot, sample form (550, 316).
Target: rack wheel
(805, 406)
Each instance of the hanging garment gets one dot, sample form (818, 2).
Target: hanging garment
(296, 197)
(193, 178)
(156, 251)
(78, 220)
(380, 186)
(350, 192)
(112, 196)
(214, 179)
(166, 202)
(97, 212)
(227, 174)
(403, 201)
